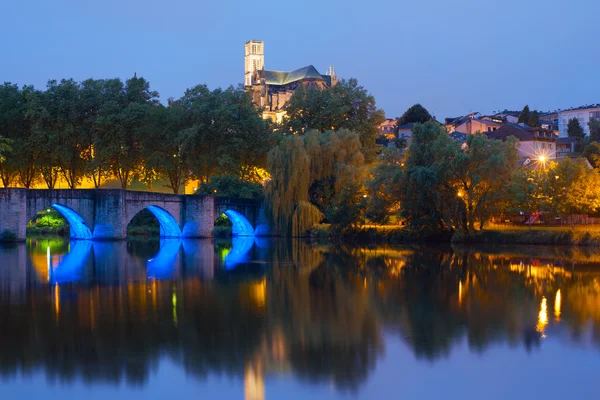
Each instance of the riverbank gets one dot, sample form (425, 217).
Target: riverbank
(537, 235)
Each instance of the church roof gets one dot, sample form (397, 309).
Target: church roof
(283, 78)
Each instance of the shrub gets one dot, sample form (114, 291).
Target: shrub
(8, 236)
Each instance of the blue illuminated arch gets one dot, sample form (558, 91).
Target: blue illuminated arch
(169, 227)
(240, 224)
(79, 229)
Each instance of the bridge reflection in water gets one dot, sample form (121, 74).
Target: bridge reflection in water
(321, 315)
(166, 263)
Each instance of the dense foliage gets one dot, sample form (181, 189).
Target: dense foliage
(347, 105)
(416, 114)
(101, 129)
(231, 186)
(311, 169)
(446, 187)
(574, 129)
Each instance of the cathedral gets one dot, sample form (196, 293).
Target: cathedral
(270, 89)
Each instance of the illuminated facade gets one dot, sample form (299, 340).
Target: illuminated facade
(270, 89)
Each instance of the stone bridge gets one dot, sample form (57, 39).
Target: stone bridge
(104, 214)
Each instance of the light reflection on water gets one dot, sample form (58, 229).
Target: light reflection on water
(268, 319)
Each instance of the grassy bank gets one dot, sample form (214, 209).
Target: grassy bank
(542, 235)
(539, 235)
(379, 234)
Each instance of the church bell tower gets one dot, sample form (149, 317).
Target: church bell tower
(254, 59)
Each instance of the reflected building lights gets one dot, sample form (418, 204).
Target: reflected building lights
(56, 300)
(557, 305)
(174, 302)
(460, 293)
(49, 262)
(254, 384)
(542, 318)
(258, 292)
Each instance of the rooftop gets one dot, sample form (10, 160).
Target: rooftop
(283, 78)
(590, 106)
(507, 130)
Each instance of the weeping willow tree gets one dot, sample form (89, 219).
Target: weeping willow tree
(305, 216)
(298, 164)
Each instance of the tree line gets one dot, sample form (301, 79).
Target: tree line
(442, 186)
(105, 129)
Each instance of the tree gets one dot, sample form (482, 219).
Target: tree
(12, 120)
(480, 174)
(525, 116)
(347, 105)
(164, 148)
(574, 129)
(594, 126)
(4, 148)
(534, 119)
(592, 153)
(231, 186)
(92, 95)
(57, 117)
(383, 189)
(26, 151)
(224, 133)
(448, 188)
(415, 114)
(528, 191)
(298, 161)
(346, 212)
(572, 187)
(121, 117)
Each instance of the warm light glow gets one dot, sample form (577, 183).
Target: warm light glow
(460, 293)
(542, 317)
(56, 300)
(542, 158)
(460, 193)
(254, 384)
(258, 292)
(557, 305)
(49, 262)
(174, 301)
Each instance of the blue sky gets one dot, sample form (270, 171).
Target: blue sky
(452, 56)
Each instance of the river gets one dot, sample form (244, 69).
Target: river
(275, 319)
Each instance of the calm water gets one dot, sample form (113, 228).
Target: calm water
(281, 319)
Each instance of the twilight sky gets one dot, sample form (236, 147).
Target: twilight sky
(452, 56)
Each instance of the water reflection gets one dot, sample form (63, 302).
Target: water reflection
(113, 311)
(163, 264)
(70, 266)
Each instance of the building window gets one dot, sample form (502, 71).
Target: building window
(595, 114)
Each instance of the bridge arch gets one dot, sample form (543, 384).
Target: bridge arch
(169, 227)
(79, 229)
(240, 225)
